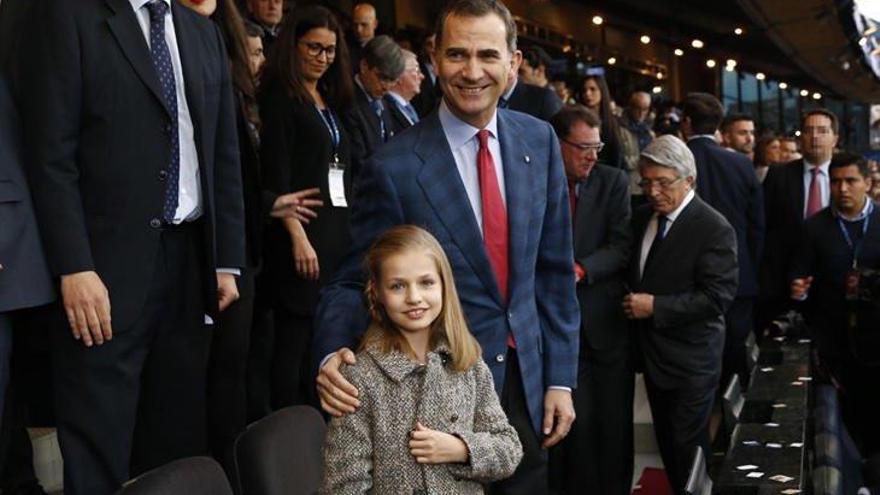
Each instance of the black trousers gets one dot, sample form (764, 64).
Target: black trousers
(597, 455)
(293, 373)
(681, 423)
(530, 477)
(227, 367)
(261, 349)
(740, 322)
(137, 401)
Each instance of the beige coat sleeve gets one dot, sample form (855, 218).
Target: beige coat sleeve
(494, 449)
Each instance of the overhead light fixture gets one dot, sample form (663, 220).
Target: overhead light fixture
(657, 90)
(711, 63)
(730, 68)
(797, 133)
(817, 96)
(678, 52)
(612, 60)
(738, 31)
(760, 76)
(645, 39)
(804, 93)
(783, 85)
(697, 44)
(597, 20)
(660, 75)
(731, 62)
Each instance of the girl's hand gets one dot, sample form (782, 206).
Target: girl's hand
(436, 447)
(305, 259)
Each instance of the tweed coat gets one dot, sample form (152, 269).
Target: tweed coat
(368, 451)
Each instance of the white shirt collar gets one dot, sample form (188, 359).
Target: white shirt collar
(459, 132)
(823, 167)
(706, 136)
(866, 210)
(398, 99)
(670, 218)
(137, 4)
(507, 94)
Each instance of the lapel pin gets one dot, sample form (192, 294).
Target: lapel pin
(527, 159)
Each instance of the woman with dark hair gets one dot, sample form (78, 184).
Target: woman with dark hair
(306, 86)
(595, 96)
(227, 366)
(768, 151)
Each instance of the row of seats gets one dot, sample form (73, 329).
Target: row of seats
(278, 455)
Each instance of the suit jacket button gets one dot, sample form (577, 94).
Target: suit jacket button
(499, 358)
(155, 223)
(163, 175)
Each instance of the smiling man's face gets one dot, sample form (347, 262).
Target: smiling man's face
(473, 64)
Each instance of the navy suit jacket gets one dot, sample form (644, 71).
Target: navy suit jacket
(727, 181)
(413, 179)
(24, 276)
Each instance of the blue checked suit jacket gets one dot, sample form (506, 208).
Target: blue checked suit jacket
(413, 180)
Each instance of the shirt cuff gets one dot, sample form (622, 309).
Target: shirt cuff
(559, 387)
(326, 358)
(232, 271)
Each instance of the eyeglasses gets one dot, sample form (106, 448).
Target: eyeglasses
(316, 49)
(597, 147)
(663, 184)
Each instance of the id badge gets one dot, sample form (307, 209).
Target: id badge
(851, 285)
(336, 179)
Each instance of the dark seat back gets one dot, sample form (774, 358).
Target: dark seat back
(190, 476)
(281, 453)
(699, 482)
(732, 404)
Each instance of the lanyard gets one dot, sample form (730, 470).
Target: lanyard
(857, 246)
(330, 121)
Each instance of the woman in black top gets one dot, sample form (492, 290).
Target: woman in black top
(227, 396)
(306, 86)
(596, 97)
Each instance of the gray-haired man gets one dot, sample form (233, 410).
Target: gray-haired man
(683, 276)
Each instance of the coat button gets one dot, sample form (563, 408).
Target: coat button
(499, 358)
(155, 223)
(163, 175)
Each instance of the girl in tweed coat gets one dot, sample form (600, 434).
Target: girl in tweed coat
(430, 421)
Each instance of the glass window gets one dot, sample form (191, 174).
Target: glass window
(791, 118)
(769, 105)
(750, 102)
(729, 91)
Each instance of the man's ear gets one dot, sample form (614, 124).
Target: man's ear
(516, 60)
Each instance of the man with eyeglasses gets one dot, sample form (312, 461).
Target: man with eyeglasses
(598, 452)
(728, 183)
(794, 192)
(368, 122)
(683, 278)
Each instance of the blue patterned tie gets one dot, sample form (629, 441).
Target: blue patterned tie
(378, 108)
(162, 62)
(411, 113)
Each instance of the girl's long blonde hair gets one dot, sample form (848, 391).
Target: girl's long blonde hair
(449, 328)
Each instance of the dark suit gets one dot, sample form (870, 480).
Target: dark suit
(598, 451)
(726, 180)
(784, 201)
(364, 128)
(397, 120)
(824, 254)
(693, 278)
(534, 100)
(101, 142)
(429, 93)
(414, 180)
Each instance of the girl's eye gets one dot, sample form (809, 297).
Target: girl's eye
(428, 282)
(396, 286)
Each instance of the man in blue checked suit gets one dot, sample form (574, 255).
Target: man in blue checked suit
(489, 184)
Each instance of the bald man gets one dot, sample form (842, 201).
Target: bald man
(363, 29)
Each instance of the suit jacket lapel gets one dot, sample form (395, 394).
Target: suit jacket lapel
(587, 202)
(125, 28)
(190, 59)
(676, 230)
(517, 159)
(441, 182)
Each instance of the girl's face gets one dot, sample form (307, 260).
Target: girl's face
(592, 94)
(411, 291)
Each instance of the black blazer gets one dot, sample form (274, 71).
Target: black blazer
(602, 242)
(429, 93)
(296, 151)
(100, 141)
(784, 210)
(693, 277)
(24, 276)
(397, 121)
(534, 100)
(824, 253)
(257, 201)
(726, 180)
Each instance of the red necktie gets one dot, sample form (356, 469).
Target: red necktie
(814, 200)
(495, 236)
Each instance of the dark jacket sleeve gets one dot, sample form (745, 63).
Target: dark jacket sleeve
(550, 105)
(756, 221)
(612, 257)
(715, 285)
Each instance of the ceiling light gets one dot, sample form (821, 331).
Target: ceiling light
(697, 44)
(731, 62)
(597, 20)
(710, 63)
(660, 75)
(797, 133)
(817, 96)
(730, 68)
(783, 85)
(612, 61)
(738, 31)
(657, 90)
(805, 93)
(645, 39)
(760, 76)
(678, 52)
